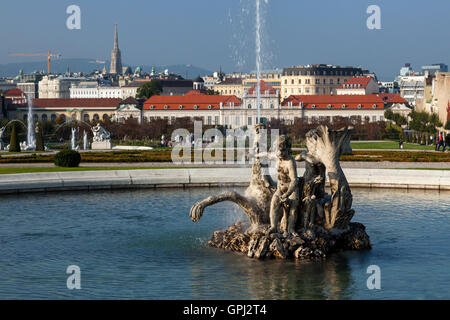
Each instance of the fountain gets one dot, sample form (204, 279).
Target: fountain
(258, 60)
(293, 217)
(31, 139)
(85, 140)
(73, 147)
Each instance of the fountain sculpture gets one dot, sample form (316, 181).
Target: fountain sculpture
(101, 139)
(293, 217)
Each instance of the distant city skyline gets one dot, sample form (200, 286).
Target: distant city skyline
(213, 34)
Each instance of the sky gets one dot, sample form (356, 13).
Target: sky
(221, 33)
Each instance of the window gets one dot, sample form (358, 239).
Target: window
(86, 118)
(374, 118)
(249, 106)
(105, 117)
(216, 120)
(96, 117)
(299, 81)
(53, 117)
(317, 81)
(249, 121)
(209, 120)
(44, 117)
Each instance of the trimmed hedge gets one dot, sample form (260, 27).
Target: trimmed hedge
(67, 158)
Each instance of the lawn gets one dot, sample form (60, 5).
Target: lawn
(377, 145)
(12, 170)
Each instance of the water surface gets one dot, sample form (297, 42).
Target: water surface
(141, 244)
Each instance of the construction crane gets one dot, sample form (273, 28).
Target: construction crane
(49, 55)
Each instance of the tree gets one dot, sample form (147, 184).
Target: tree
(424, 122)
(39, 138)
(149, 89)
(447, 125)
(395, 117)
(14, 145)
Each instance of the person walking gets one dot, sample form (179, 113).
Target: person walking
(447, 142)
(440, 142)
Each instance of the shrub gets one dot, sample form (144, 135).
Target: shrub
(14, 145)
(67, 158)
(39, 139)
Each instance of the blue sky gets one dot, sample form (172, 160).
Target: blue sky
(213, 33)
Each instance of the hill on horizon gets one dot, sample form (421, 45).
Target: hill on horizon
(89, 65)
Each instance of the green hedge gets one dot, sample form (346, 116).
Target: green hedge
(67, 158)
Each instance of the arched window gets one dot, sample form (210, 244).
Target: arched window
(96, 117)
(86, 117)
(53, 117)
(36, 117)
(105, 117)
(63, 117)
(44, 117)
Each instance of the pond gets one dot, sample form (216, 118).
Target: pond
(141, 244)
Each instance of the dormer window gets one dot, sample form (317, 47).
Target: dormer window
(166, 107)
(152, 107)
(180, 107)
(210, 107)
(359, 106)
(344, 106)
(313, 106)
(374, 106)
(195, 107)
(329, 106)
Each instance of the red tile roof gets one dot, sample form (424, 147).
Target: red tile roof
(355, 83)
(392, 98)
(262, 88)
(188, 101)
(77, 103)
(335, 102)
(14, 92)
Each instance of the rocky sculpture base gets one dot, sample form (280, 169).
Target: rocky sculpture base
(310, 245)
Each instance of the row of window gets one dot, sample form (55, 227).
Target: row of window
(318, 81)
(45, 117)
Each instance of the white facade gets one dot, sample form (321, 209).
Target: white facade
(54, 88)
(89, 92)
(412, 88)
(358, 89)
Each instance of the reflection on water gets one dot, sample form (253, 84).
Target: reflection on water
(141, 244)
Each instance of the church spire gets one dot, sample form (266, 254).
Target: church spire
(116, 38)
(116, 58)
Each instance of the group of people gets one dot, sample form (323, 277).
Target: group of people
(442, 141)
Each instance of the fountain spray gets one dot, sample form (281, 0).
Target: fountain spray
(31, 140)
(258, 59)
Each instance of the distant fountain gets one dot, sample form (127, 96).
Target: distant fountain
(31, 139)
(85, 140)
(73, 147)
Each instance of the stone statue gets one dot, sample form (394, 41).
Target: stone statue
(286, 197)
(101, 139)
(294, 217)
(100, 134)
(2, 130)
(255, 202)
